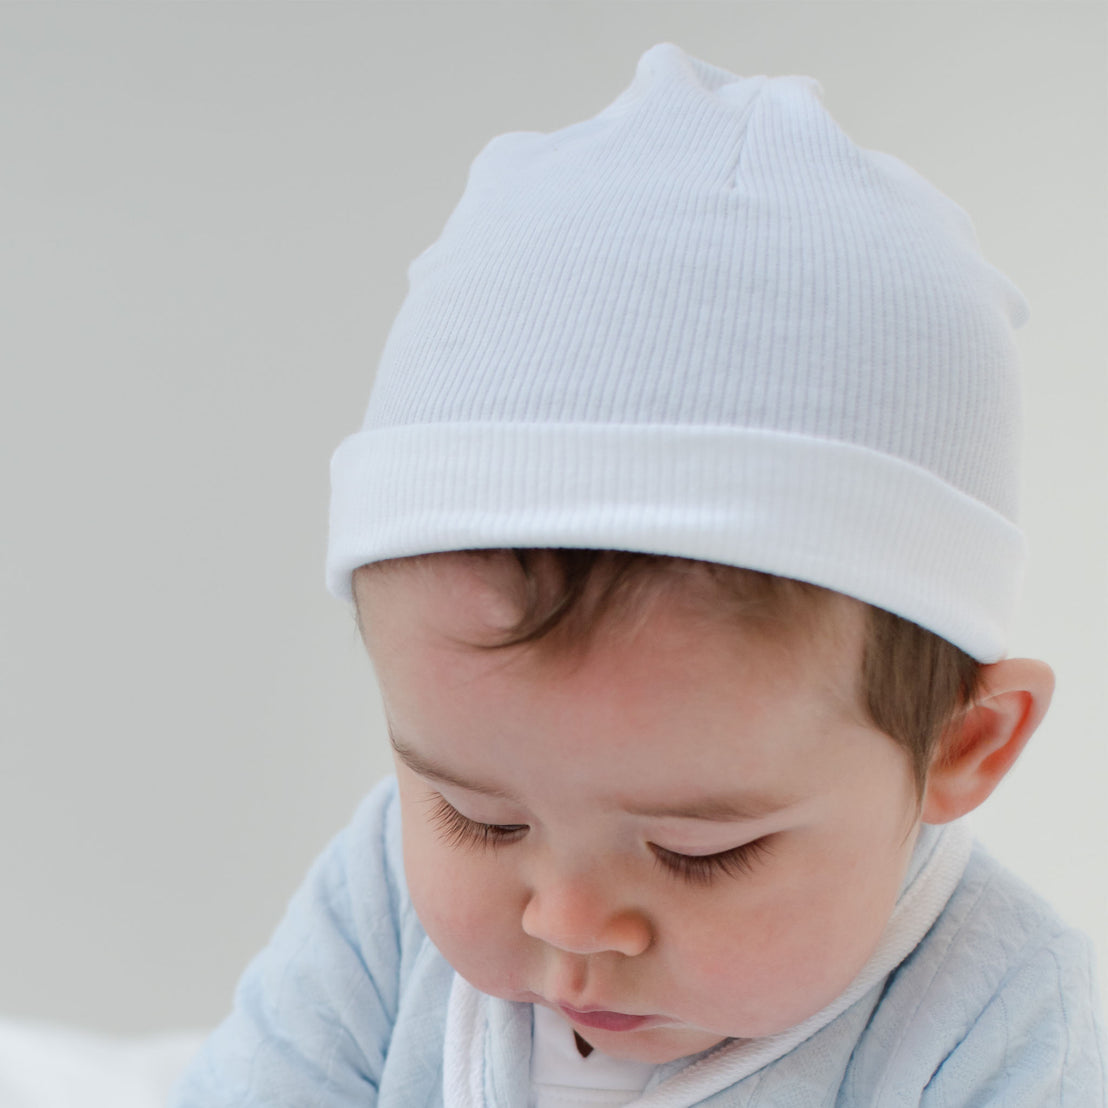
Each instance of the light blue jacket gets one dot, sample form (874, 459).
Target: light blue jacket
(346, 1006)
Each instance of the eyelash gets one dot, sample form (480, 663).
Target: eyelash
(702, 869)
(459, 831)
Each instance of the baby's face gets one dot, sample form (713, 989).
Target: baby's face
(691, 835)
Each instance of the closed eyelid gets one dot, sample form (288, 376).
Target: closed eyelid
(459, 832)
(701, 869)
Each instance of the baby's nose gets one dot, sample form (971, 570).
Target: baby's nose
(579, 917)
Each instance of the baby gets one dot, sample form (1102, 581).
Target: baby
(680, 535)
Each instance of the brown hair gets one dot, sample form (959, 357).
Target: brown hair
(911, 683)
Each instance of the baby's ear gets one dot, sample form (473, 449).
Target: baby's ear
(980, 745)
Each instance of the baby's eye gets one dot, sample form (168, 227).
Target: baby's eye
(702, 869)
(458, 830)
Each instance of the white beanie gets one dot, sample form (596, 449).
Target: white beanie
(704, 323)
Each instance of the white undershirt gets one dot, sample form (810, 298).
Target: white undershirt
(561, 1078)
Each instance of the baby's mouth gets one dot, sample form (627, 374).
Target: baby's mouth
(605, 1021)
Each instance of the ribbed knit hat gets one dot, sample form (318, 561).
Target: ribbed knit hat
(704, 323)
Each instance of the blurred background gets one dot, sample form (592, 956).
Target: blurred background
(206, 214)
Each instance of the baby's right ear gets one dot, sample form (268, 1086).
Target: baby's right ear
(980, 746)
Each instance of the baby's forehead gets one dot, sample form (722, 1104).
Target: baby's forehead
(672, 686)
(478, 597)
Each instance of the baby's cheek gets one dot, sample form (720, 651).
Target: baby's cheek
(441, 886)
(465, 912)
(743, 965)
(763, 961)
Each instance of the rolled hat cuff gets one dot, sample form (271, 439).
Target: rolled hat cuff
(842, 516)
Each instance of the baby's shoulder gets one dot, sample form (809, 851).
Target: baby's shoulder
(1000, 994)
(999, 925)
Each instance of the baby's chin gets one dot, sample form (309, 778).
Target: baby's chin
(655, 1045)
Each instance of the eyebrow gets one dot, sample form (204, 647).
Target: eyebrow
(417, 763)
(731, 808)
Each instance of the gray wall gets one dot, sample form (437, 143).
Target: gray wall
(207, 211)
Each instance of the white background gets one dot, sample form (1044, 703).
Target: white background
(206, 212)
